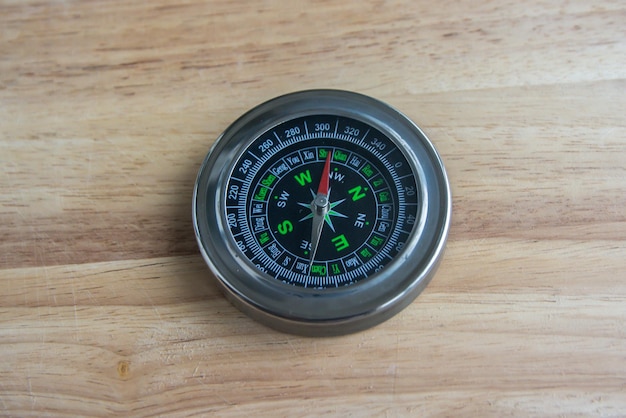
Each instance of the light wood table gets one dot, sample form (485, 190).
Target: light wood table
(107, 109)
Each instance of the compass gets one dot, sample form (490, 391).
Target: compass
(322, 212)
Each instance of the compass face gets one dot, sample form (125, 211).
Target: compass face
(372, 201)
(322, 212)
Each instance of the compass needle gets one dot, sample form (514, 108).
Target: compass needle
(373, 200)
(319, 208)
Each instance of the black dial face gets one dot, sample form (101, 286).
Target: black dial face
(321, 201)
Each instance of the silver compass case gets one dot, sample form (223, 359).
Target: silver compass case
(329, 311)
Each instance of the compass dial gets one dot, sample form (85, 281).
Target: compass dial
(322, 212)
(372, 201)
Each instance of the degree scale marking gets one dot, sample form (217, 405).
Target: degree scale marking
(261, 169)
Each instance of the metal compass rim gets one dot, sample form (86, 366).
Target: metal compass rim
(329, 311)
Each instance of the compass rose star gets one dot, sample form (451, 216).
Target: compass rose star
(328, 215)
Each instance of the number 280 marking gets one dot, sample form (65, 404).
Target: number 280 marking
(292, 132)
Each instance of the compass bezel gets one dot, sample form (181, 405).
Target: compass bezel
(330, 311)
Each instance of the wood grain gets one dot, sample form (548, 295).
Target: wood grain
(107, 109)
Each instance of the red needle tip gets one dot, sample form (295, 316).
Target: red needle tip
(325, 180)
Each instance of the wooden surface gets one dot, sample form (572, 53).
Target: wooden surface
(107, 109)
